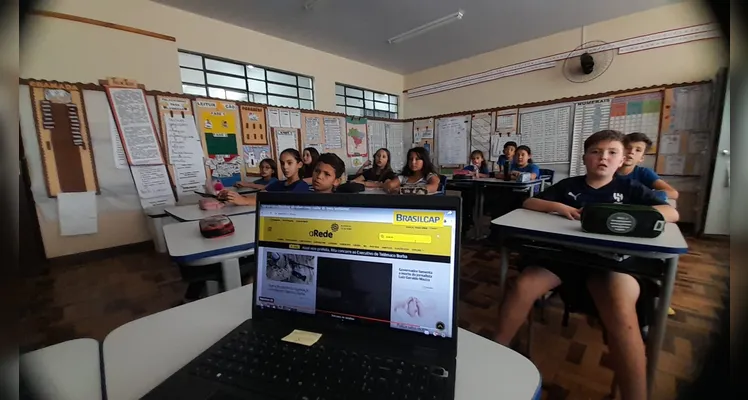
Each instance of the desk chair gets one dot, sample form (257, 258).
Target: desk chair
(204, 280)
(578, 300)
(442, 184)
(546, 173)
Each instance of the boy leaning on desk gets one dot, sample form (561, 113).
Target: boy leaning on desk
(614, 294)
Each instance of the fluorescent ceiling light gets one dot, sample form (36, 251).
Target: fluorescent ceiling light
(426, 27)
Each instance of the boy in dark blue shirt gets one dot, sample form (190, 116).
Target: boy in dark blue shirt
(636, 145)
(614, 294)
(509, 149)
(327, 173)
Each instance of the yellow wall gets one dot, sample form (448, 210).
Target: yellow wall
(681, 63)
(72, 51)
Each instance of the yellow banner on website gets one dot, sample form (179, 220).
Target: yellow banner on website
(423, 236)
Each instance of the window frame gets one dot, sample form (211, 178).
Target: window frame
(246, 78)
(366, 111)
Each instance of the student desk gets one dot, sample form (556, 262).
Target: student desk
(194, 213)
(158, 218)
(67, 371)
(188, 247)
(479, 184)
(555, 229)
(170, 339)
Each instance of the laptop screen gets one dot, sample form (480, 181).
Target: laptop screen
(385, 266)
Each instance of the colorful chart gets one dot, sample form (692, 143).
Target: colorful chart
(355, 134)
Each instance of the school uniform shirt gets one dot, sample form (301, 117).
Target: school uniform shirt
(370, 175)
(646, 177)
(421, 182)
(530, 167)
(575, 192)
(501, 161)
(280, 186)
(471, 168)
(265, 182)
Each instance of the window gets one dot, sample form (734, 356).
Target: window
(365, 103)
(230, 80)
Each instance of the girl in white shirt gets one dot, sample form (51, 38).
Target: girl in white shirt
(418, 171)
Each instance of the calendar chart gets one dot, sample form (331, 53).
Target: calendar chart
(589, 117)
(547, 132)
(638, 113)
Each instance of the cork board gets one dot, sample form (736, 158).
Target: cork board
(64, 139)
(218, 124)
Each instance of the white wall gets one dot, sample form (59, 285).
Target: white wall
(64, 50)
(681, 63)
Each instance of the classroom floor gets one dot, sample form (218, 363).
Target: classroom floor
(91, 299)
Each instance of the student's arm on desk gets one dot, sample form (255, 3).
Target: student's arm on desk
(237, 199)
(546, 206)
(665, 187)
(668, 212)
(392, 185)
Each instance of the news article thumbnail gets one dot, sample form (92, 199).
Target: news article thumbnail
(419, 300)
(353, 287)
(291, 268)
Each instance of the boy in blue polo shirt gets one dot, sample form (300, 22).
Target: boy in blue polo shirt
(636, 145)
(614, 294)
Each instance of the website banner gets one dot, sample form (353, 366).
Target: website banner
(417, 233)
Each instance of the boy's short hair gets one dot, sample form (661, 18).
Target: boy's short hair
(636, 137)
(334, 161)
(606, 135)
(512, 144)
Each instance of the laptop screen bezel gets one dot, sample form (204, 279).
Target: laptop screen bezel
(405, 202)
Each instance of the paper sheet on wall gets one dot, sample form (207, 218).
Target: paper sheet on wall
(286, 139)
(120, 159)
(698, 142)
(506, 131)
(422, 129)
(136, 126)
(547, 131)
(285, 118)
(394, 134)
(480, 134)
(253, 155)
(77, 213)
(674, 164)
(357, 162)
(183, 141)
(670, 144)
(690, 109)
(189, 177)
(333, 133)
(313, 131)
(589, 117)
(377, 137)
(295, 116)
(453, 140)
(356, 142)
(151, 180)
(274, 118)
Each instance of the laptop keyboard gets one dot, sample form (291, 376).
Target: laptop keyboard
(259, 362)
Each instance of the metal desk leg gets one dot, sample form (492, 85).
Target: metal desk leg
(478, 210)
(504, 268)
(231, 276)
(657, 332)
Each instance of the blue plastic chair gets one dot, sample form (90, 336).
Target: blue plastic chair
(546, 173)
(442, 184)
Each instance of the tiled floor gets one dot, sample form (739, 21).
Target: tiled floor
(90, 300)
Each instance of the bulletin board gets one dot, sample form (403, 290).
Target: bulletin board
(637, 113)
(685, 143)
(64, 139)
(325, 133)
(219, 127)
(423, 135)
(255, 141)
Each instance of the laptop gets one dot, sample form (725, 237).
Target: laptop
(355, 297)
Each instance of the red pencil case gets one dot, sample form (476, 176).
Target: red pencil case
(216, 226)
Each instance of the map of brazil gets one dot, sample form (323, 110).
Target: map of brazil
(356, 140)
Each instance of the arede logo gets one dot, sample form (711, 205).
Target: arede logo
(320, 234)
(419, 218)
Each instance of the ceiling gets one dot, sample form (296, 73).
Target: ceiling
(359, 29)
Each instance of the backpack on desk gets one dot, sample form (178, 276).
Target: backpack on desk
(623, 220)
